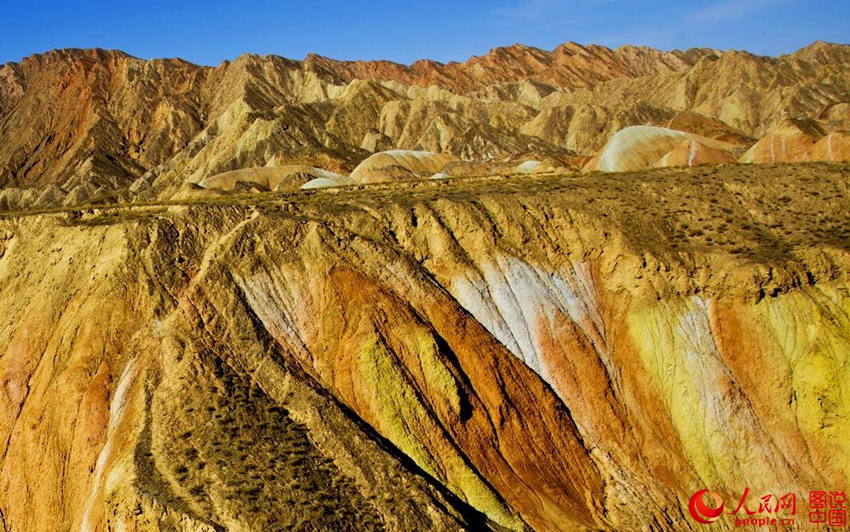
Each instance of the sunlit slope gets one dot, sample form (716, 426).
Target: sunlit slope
(557, 353)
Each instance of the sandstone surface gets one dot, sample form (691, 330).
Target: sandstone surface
(832, 147)
(640, 147)
(556, 353)
(396, 165)
(787, 142)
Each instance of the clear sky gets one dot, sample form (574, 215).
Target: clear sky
(208, 32)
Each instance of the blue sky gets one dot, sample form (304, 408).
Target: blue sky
(211, 31)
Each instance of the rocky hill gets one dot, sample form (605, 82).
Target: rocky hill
(94, 125)
(540, 352)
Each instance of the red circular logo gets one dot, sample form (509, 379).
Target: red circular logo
(703, 513)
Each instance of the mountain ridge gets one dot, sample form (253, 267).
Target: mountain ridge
(566, 48)
(86, 123)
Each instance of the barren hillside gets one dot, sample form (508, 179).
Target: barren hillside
(553, 353)
(97, 125)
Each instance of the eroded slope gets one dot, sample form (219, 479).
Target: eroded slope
(83, 126)
(556, 353)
